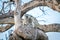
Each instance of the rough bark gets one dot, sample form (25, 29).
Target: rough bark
(7, 15)
(50, 27)
(7, 21)
(17, 13)
(3, 29)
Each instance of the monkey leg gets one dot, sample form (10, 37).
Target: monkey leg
(41, 35)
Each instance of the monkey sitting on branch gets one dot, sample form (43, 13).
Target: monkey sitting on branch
(28, 32)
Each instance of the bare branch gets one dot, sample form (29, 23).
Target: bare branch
(7, 21)
(3, 29)
(9, 14)
(50, 27)
(35, 3)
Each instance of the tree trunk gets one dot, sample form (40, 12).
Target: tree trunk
(17, 14)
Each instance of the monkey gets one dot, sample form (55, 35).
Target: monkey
(28, 31)
(32, 20)
(27, 19)
(34, 23)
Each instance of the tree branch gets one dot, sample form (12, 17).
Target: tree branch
(35, 3)
(50, 27)
(7, 21)
(3, 29)
(9, 14)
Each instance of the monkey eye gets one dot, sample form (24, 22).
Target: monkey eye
(11, 0)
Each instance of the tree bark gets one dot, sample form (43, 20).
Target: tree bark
(17, 14)
(7, 21)
(3, 29)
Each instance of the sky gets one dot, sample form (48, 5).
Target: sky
(49, 17)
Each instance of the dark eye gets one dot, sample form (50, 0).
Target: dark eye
(26, 16)
(11, 0)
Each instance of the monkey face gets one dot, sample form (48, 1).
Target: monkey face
(11, 0)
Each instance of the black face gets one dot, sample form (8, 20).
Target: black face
(11, 0)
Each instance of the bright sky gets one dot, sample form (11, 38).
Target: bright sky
(49, 17)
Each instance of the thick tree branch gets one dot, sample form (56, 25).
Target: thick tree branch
(32, 4)
(9, 14)
(3, 29)
(7, 21)
(35, 3)
(50, 27)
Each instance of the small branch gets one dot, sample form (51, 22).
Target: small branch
(3, 29)
(9, 14)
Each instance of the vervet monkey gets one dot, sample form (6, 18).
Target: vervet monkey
(27, 19)
(28, 31)
(30, 19)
